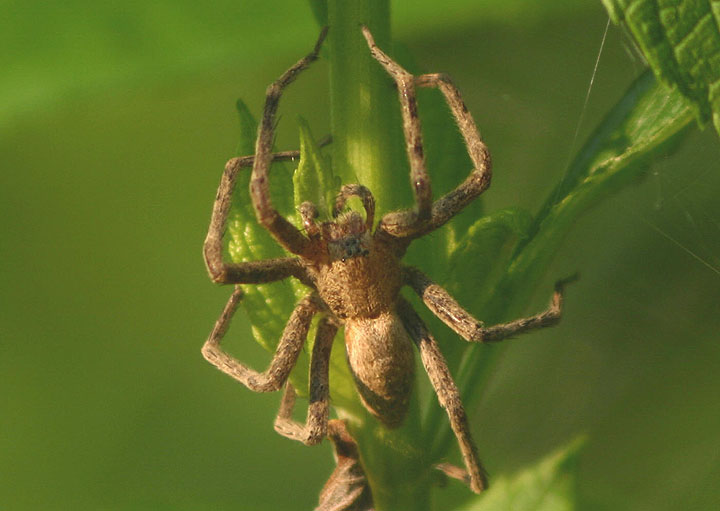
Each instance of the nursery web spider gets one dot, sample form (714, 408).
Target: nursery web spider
(355, 274)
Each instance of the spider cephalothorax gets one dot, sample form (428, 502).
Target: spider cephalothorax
(355, 274)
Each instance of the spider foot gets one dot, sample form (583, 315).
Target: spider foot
(460, 474)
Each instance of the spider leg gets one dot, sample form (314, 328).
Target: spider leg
(407, 223)
(242, 273)
(444, 306)
(454, 472)
(447, 392)
(478, 181)
(430, 215)
(282, 230)
(348, 488)
(316, 424)
(286, 354)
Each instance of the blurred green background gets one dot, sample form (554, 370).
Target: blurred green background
(115, 121)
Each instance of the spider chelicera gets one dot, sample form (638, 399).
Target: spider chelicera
(354, 274)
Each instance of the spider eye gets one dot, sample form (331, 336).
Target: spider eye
(349, 247)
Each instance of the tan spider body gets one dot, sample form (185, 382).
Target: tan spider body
(355, 274)
(360, 282)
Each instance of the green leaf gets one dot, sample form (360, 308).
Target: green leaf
(681, 42)
(478, 255)
(248, 129)
(547, 486)
(313, 180)
(644, 122)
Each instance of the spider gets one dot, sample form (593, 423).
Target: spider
(354, 274)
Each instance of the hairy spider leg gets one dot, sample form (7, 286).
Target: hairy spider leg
(254, 272)
(478, 181)
(429, 215)
(419, 178)
(445, 307)
(286, 354)
(281, 229)
(447, 392)
(348, 488)
(316, 423)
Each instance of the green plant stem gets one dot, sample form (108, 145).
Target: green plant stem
(364, 109)
(366, 149)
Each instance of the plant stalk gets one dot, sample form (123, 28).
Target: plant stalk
(367, 146)
(365, 114)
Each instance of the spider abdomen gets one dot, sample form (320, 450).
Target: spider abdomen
(381, 359)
